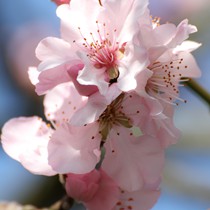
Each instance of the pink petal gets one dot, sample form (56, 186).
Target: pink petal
(90, 75)
(123, 16)
(108, 193)
(90, 113)
(25, 139)
(93, 189)
(182, 33)
(74, 149)
(55, 50)
(133, 161)
(85, 90)
(137, 200)
(82, 187)
(50, 78)
(62, 102)
(139, 108)
(190, 66)
(188, 46)
(95, 106)
(135, 60)
(75, 15)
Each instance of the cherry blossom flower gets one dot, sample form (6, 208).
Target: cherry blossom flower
(94, 52)
(109, 123)
(171, 61)
(110, 83)
(95, 190)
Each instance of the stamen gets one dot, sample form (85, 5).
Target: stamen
(165, 80)
(102, 50)
(113, 116)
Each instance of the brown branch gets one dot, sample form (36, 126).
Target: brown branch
(199, 90)
(100, 2)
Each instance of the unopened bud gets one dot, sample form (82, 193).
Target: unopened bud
(59, 2)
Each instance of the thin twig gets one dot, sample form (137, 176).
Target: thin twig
(199, 90)
(100, 2)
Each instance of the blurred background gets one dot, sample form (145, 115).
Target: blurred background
(186, 179)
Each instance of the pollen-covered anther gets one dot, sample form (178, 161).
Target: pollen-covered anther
(119, 203)
(155, 21)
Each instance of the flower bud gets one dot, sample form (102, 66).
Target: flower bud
(59, 2)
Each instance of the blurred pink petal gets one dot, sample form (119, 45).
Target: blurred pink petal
(25, 139)
(95, 190)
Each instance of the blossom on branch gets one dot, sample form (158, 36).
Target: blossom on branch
(110, 82)
(96, 51)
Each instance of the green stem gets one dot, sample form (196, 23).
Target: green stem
(199, 90)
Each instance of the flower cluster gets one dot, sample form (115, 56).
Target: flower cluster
(111, 83)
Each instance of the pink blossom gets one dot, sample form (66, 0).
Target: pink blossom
(101, 45)
(26, 139)
(62, 102)
(95, 190)
(170, 58)
(111, 124)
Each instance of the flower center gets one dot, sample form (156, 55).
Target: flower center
(104, 50)
(165, 80)
(113, 116)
